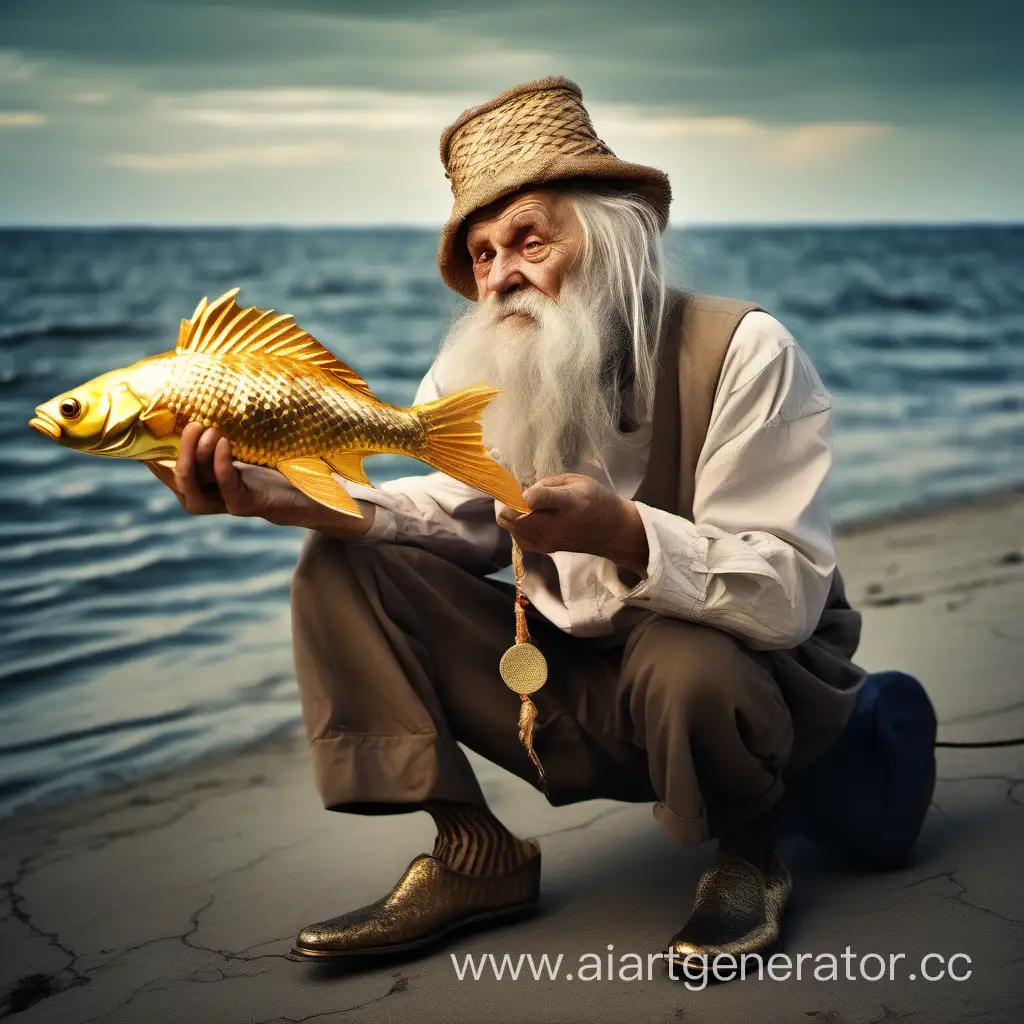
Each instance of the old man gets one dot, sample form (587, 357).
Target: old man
(680, 569)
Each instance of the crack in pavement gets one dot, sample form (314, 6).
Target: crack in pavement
(584, 824)
(1010, 781)
(977, 716)
(154, 985)
(1000, 635)
(98, 843)
(112, 961)
(213, 787)
(950, 876)
(401, 984)
(185, 937)
(197, 794)
(34, 988)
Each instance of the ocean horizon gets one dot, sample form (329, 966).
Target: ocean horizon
(431, 228)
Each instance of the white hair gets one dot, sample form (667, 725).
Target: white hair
(567, 366)
(621, 234)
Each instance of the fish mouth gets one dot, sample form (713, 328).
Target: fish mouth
(46, 424)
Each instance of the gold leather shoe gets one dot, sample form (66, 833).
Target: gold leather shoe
(738, 909)
(429, 901)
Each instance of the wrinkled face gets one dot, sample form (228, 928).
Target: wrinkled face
(102, 416)
(528, 242)
(544, 332)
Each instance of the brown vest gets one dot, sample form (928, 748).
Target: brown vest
(818, 678)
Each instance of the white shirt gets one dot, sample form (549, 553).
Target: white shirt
(757, 560)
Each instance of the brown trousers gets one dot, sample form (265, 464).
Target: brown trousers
(396, 654)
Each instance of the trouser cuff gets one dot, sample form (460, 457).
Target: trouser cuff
(352, 769)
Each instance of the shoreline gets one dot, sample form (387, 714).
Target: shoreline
(929, 510)
(178, 897)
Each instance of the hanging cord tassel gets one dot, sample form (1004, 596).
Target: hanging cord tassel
(519, 571)
(527, 718)
(523, 667)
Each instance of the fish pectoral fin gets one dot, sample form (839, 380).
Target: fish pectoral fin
(125, 409)
(313, 477)
(349, 465)
(159, 422)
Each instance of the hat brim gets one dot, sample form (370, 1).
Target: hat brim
(452, 255)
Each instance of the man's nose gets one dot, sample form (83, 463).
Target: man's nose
(505, 275)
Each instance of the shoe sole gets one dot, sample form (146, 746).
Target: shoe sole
(704, 967)
(504, 914)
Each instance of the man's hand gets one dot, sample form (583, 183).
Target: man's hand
(206, 481)
(572, 512)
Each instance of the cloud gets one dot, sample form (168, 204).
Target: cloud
(270, 109)
(306, 109)
(813, 145)
(916, 62)
(232, 157)
(21, 119)
(15, 67)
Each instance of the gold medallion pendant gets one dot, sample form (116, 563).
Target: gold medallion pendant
(523, 667)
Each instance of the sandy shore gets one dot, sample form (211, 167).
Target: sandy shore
(177, 899)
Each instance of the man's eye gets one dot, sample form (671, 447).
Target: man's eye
(532, 245)
(484, 257)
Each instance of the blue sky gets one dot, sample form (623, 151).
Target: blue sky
(318, 112)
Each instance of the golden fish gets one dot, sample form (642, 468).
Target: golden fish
(281, 399)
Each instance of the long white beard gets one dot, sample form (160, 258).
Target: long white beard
(559, 365)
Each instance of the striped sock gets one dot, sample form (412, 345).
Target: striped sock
(470, 839)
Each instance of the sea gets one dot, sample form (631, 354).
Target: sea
(135, 638)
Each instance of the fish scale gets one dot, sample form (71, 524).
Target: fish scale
(272, 412)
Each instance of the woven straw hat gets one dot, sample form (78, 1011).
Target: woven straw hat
(531, 134)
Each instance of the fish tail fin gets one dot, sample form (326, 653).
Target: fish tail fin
(455, 444)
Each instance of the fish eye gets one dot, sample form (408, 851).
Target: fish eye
(70, 408)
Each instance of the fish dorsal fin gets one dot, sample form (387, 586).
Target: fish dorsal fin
(224, 328)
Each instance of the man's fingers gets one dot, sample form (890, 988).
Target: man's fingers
(558, 479)
(541, 496)
(184, 466)
(229, 480)
(522, 529)
(205, 447)
(506, 516)
(186, 476)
